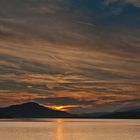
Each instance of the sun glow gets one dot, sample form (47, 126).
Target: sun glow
(59, 107)
(63, 107)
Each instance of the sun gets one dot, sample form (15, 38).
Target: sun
(62, 107)
(59, 107)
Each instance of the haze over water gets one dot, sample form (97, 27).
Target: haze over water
(70, 129)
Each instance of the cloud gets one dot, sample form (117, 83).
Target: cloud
(86, 57)
(134, 2)
(65, 101)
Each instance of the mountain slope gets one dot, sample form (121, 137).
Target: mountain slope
(129, 114)
(126, 109)
(32, 110)
(3, 116)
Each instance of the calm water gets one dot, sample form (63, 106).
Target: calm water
(70, 129)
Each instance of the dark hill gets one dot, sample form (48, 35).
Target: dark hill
(3, 116)
(33, 110)
(123, 113)
(129, 114)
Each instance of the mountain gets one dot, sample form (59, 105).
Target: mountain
(124, 109)
(3, 116)
(32, 110)
(92, 115)
(124, 114)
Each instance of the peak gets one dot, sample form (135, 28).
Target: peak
(26, 104)
(32, 110)
(30, 103)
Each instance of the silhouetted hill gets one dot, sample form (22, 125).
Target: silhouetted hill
(123, 113)
(126, 109)
(92, 115)
(128, 114)
(33, 110)
(3, 116)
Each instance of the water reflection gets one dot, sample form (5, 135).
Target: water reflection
(59, 130)
(70, 129)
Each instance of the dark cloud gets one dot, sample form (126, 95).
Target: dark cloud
(65, 101)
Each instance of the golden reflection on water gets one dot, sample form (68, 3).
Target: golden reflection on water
(59, 129)
(70, 129)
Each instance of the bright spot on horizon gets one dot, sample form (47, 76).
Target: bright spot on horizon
(62, 108)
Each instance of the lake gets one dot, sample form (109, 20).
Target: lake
(70, 129)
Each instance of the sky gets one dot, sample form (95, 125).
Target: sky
(79, 56)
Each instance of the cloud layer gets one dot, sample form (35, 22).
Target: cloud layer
(70, 53)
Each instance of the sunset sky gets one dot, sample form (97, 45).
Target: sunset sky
(75, 55)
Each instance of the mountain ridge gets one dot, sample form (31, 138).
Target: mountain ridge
(35, 110)
(32, 110)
